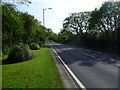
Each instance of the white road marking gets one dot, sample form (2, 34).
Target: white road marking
(72, 74)
(118, 65)
(98, 59)
(112, 59)
(89, 55)
(88, 50)
(92, 56)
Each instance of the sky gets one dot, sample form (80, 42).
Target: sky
(60, 10)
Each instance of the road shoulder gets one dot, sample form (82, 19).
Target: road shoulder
(67, 79)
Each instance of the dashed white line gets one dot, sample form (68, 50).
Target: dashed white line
(72, 74)
(112, 60)
(89, 55)
(118, 65)
(98, 59)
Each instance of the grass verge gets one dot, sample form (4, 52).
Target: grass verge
(39, 72)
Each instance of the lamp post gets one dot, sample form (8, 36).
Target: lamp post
(44, 15)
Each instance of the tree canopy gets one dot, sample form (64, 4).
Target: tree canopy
(19, 27)
(98, 28)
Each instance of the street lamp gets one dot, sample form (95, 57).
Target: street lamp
(44, 15)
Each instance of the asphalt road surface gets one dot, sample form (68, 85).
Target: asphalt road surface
(94, 69)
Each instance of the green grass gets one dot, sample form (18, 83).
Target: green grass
(39, 72)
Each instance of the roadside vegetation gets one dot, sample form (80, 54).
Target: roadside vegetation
(19, 27)
(26, 62)
(39, 72)
(98, 29)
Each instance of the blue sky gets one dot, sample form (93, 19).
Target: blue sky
(60, 10)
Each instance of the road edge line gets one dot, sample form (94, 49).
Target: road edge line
(72, 74)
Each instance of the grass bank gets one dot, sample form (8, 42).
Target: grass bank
(39, 72)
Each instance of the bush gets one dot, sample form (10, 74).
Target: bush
(34, 46)
(20, 53)
(40, 43)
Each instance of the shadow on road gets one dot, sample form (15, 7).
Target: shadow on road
(83, 57)
(48, 46)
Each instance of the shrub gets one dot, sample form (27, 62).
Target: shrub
(34, 46)
(20, 53)
(41, 43)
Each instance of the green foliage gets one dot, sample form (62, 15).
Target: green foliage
(12, 24)
(5, 50)
(20, 27)
(29, 28)
(65, 36)
(34, 46)
(77, 22)
(20, 53)
(99, 28)
(39, 36)
(51, 35)
(41, 43)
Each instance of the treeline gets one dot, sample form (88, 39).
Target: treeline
(19, 27)
(99, 28)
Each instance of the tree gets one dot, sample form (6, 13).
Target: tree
(95, 21)
(77, 22)
(30, 26)
(65, 36)
(19, 27)
(39, 36)
(12, 25)
(51, 35)
(99, 28)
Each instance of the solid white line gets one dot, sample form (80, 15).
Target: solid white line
(73, 75)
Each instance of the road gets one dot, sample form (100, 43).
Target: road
(94, 69)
